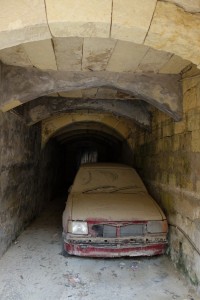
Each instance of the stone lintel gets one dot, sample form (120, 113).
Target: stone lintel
(45, 107)
(22, 85)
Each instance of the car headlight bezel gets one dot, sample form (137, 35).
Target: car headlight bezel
(78, 227)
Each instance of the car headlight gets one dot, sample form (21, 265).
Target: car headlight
(157, 226)
(77, 227)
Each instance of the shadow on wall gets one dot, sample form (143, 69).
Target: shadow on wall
(28, 176)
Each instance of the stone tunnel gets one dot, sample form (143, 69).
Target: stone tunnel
(121, 77)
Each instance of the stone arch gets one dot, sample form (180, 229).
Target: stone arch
(121, 126)
(165, 25)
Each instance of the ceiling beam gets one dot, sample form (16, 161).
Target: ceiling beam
(19, 85)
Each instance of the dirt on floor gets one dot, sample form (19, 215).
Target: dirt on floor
(34, 269)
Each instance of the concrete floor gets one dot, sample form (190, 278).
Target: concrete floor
(33, 269)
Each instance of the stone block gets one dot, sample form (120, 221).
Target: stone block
(198, 95)
(16, 56)
(198, 188)
(131, 19)
(173, 29)
(159, 145)
(78, 18)
(41, 54)
(126, 57)
(22, 22)
(106, 93)
(68, 52)
(89, 93)
(188, 5)
(96, 53)
(190, 100)
(172, 179)
(72, 94)
(174, 65)
(153, 61)
(167, 130)
(179, 127)
(195, 141)
(193, 120)
(191, 78)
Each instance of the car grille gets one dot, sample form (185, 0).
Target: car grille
(111, 231)
(132, 230)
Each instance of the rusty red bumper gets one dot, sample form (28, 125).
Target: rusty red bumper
(116, 250)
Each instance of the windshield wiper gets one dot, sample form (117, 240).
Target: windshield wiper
(100, 188)
(135, 187)
(113, 189)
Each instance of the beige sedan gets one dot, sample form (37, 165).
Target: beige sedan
(109, 213)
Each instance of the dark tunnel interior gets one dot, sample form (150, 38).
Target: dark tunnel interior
(83, 143)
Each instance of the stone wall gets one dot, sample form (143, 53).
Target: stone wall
(168, 159)
(24, 184)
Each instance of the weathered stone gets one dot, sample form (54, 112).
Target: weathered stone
(89, 93)
(195, 141)
(89, 18)
(41, 54)
(126, 57)
(153, 61)
(174, 30)
(45, 107)
(96, 53)
(188, 5)
(162, 91)
(131, 19)
(24, 172)
(179, 127)
(52, 125)
(15, 56)
(68, 52)
(169, 159)
(73, 94)
(106, 94)
(174, 65)
(22, 22)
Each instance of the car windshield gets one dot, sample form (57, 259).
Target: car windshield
(108, 180)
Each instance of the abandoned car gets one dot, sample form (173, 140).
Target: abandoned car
(109, 213)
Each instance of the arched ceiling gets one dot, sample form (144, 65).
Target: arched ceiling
(98, 129)
(107, 123)
(96, 50)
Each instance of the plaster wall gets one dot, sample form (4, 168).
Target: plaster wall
(168, 159)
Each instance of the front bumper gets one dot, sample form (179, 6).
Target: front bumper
(114, 248)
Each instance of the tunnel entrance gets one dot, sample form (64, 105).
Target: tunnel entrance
(86, 142)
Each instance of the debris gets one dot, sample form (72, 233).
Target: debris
(122, 265)
(134, 266)
(73, 280)
(114, 274)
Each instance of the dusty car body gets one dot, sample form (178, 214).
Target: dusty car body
(109, 213)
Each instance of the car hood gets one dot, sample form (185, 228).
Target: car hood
(115, 207)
